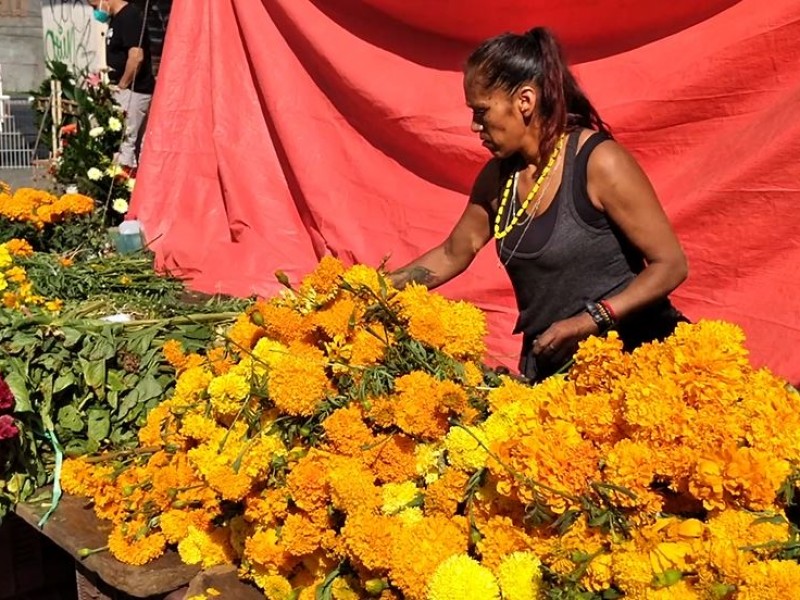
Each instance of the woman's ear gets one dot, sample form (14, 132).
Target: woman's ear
(527, 97)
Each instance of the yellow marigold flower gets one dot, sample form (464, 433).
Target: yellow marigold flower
(512, 391)
(410, 516)
(461, 576)
(397, 496)
(520, 576)
(206, 548)
(473, 374)
(190, 383)
(275, 587)
(429, 461)
(198, 427)
(466, 448)
(266, 353)
(174, 354)
(324, 280)
(19, 247)
(5, 257)
(5, 188)
(599, 363)
(298, 384)
(770, 580)
(134, 544)
(228, 393)
(54, 305)
(632, 571)
(244, 334)
(742, 528)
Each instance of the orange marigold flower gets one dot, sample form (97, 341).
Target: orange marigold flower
(443, 495)
(265, 548)
(392, 458)
(134, 544)
(18, 247)
(281, 323)
(174, 354)
(244, 333)
(346, 432)
(324, 280)
(301, 536)
(298, 384)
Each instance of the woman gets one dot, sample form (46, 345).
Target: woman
(577, 223)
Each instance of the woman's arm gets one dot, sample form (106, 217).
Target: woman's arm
(618, 186)
(471, 233)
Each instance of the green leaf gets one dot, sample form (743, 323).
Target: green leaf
(71, 336)
(94, 372)
(142, 341)
(130, 400)
(70, 418)
(103, 349)
(99, 425)
(17, 382)
(63, 381)
(114, 381)
(148, 388)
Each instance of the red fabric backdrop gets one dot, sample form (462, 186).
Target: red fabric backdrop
(282, 130)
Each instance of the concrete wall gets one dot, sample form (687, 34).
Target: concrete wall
(21, 48)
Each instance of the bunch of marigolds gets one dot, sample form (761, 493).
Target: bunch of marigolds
(40, 207)
(345, 443)
(16, 289)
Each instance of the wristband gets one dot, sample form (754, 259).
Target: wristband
(611, 314)
(599, 316)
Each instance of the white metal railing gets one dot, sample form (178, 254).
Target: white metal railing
(15, 151)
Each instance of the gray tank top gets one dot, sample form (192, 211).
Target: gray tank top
(578, 263)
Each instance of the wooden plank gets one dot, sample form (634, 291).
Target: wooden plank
(74, 526)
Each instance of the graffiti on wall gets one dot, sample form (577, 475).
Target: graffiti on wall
(71, 36)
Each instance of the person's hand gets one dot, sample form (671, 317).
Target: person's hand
(560, 341)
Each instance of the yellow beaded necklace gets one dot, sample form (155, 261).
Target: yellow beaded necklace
(498, 234)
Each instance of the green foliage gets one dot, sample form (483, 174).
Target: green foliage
(87, 383)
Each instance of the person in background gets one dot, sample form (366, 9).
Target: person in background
(128, 57)
(576, 222)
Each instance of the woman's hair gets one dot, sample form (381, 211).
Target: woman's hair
(510, 60)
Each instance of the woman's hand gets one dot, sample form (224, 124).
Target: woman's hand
(560, 341)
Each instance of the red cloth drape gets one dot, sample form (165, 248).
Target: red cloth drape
(282, 130)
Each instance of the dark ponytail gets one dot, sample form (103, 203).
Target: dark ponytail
(511, 60)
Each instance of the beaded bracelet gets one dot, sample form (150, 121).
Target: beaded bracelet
(599, 315)
(607, 306)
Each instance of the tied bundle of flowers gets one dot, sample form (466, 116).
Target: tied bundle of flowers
(346, 443)
(17, 290)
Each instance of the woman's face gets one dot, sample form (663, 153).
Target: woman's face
(499, 118)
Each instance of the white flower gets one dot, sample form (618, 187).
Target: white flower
(120, 205)
(130, 184)
(114, 124)
(96, 132)
(94, 174)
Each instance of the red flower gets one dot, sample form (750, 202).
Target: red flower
(8, 428)
(6, 396)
